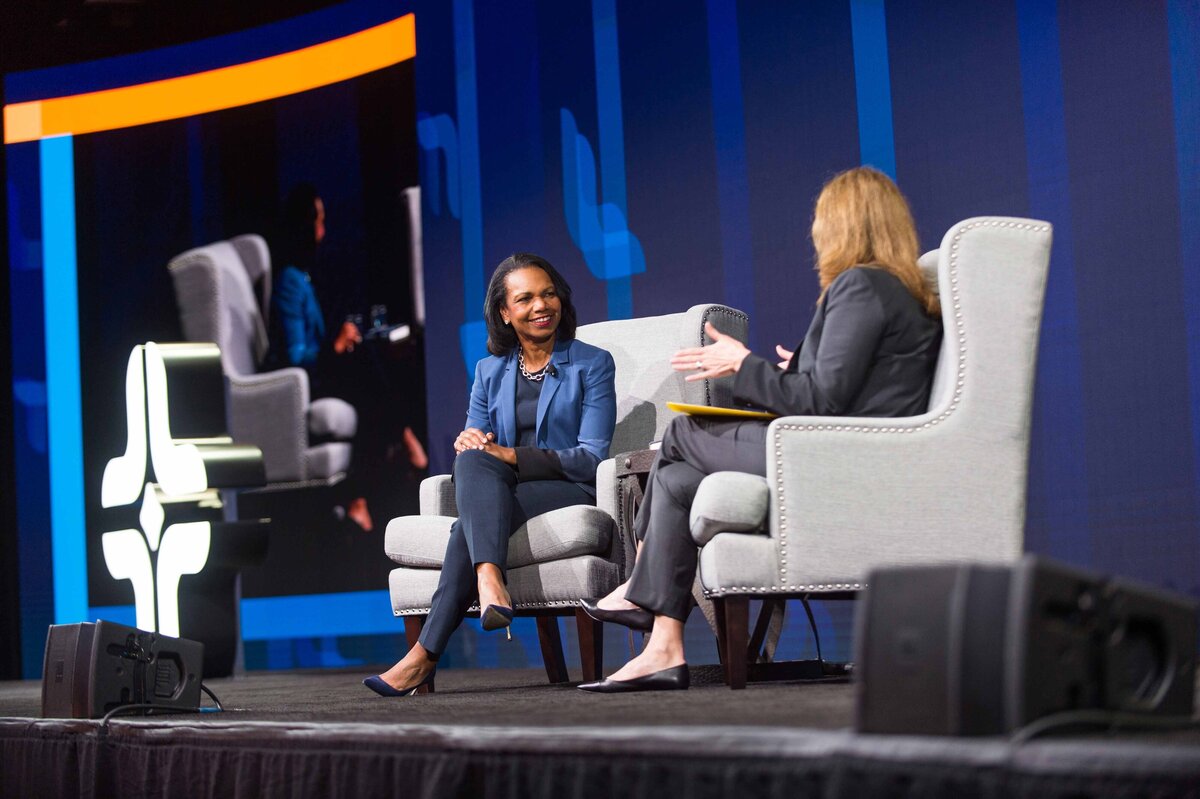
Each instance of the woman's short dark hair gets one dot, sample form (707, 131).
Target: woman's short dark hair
(501, 338)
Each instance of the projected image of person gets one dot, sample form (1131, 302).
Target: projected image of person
(299, 338)
(870, 351)
(541, 417)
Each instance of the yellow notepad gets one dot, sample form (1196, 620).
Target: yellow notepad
(731, 413)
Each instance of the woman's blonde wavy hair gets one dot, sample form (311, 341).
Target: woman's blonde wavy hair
(861, 218)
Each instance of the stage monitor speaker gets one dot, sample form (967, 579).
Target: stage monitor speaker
(92, 668)
(973, 649)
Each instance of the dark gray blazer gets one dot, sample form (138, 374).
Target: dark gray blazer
(870, 351)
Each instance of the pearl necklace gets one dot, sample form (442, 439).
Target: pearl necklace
(537, 376)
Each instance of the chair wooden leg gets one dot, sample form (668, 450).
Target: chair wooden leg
(412, 633)
(591, 645)
(552, 651)
(722, 637)
(737, 639)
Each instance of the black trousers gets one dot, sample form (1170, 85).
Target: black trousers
(693, 448)
(492, 505)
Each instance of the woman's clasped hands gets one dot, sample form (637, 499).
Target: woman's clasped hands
(473, 438)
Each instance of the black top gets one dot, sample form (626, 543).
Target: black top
(528, 393)
(870, 351)
(532, 463)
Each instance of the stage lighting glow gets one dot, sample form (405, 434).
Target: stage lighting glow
(200, 93)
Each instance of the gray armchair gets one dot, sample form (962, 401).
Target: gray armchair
(575, 552)
(214, 289)
(843, 496)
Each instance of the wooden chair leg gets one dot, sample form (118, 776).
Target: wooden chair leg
(412, 633)
(722, 637)
(737, 639)
(591, 645)
(552, 651)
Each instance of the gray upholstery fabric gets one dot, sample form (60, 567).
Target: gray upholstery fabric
(642, 349)
(327, 460)
(569, 551)
(256, 260)
(331, 417)
(851, 494)
(437, 496)
(215, 294)
(557, 583)
(733, 502)
(420, 541)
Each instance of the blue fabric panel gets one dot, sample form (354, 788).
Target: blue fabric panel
(801, 128)
(1184, 20)
(1125, 217)
(873, 85)
(957, 110)
(672, 169)
(1058, 492)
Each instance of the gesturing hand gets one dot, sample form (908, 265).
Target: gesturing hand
(784, 355)
(723, 357)
(348, 335)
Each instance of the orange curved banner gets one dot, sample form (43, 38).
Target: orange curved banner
(227, 87)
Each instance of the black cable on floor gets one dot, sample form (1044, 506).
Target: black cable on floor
(1100, 720)
(214, 698)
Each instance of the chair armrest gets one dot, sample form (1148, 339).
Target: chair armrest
(850, 494)
(437, 496)
(607, 498)
(270, 410)
(729, 502)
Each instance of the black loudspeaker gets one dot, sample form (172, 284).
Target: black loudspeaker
(985, 650)
(92, 668)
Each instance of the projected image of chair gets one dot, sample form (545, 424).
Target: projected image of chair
(570, 553)
(304, 442)
(846, 495)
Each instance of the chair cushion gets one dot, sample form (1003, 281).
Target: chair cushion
(332, 418)
(420, 541)
(556, 583)
(729, 502)
(326, 460)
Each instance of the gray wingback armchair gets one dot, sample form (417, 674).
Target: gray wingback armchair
(214, 289)
(843, 496)
(574, 552)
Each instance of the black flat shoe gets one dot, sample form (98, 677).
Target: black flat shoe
(380, 687)
(636, 619)
(672, 679)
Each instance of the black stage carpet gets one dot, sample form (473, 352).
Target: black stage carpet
(507, 733)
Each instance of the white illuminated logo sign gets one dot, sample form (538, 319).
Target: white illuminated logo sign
(152, 556)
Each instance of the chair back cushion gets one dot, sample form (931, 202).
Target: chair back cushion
(642, 349)
(216, 303)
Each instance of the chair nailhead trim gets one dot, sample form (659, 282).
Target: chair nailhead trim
(954, 402)
(557, 603)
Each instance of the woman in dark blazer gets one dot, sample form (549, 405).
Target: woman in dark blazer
(541, 418)
(870, 351)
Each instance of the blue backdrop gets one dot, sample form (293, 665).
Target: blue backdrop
(663, 154)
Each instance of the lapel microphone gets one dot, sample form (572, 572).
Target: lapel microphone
(551, 370)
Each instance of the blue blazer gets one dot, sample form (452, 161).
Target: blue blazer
(576, 413)
(294, 306)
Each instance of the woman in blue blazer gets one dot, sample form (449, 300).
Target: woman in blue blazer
(541, 417)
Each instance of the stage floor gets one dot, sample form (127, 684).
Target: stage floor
(510, 733)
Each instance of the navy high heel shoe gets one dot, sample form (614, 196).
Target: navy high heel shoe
(380, 687)
(495, 617)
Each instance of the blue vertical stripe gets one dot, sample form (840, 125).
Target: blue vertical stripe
(873, 84)
(1058, 523)
(1183, 22)
(729, 128)
(65, 425)
(468, 152)
(612, 136)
